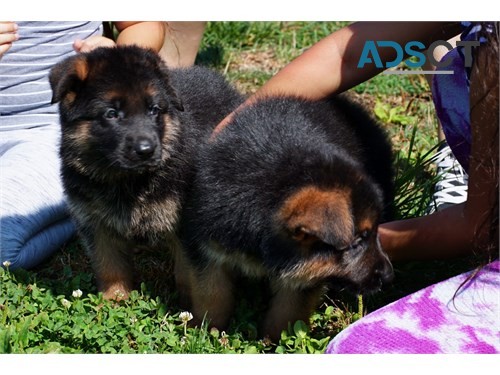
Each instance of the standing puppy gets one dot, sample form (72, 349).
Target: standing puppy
(291, 191)
(129, 128)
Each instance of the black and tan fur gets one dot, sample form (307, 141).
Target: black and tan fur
(291, 191)
(129, 129)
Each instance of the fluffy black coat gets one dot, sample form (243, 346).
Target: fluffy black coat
(130, 127)
(282, 161)
(270, 150)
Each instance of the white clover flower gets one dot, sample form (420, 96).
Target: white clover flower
(66, 303)
(77, 293)
(119, 294)
(6, 264)
(224, 340)
(185, 316)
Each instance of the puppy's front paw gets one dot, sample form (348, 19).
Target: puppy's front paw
(116, 292)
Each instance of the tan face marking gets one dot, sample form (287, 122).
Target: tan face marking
(78, 140)
(70, 98)
(170, 135)
(367, 224)
(151, 91)
(111, 96)
(309, 272)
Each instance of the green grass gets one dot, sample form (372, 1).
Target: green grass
(394, 85)
(39, 314)
(36, 318)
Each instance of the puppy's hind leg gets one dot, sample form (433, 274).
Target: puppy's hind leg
(288, 305)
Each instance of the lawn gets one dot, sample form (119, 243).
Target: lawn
(56, 308)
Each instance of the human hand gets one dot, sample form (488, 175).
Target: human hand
(225, 122)
(91, 43)
(8, 34)
(221, 126)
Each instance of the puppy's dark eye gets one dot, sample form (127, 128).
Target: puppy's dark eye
(111, 114)
(359, 242)
(154, 110)
(364, 234)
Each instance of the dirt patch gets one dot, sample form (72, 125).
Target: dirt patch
(262, 61)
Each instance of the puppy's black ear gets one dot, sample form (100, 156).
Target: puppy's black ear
(175, 100)
(67, 76)
(313, 214)
(173, 97)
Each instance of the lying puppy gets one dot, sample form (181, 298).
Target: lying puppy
(291, 191)
(129, 128)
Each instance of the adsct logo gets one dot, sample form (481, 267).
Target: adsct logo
(370, 55)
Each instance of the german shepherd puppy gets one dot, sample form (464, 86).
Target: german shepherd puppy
(291, 191)
(129, 129)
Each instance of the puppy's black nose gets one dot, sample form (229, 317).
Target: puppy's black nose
(144, 147)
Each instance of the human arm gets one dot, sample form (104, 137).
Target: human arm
(441, 235)
(182, 42)
(473, 225)
(144, 34)
(330, 66)
(8, 34)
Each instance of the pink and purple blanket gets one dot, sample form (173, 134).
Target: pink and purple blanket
(432, 320)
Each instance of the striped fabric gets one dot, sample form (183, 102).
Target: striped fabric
(25, 92)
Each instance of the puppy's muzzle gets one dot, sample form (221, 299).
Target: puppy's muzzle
(382, 272)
